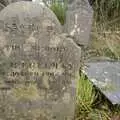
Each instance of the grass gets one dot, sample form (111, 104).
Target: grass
(85, 98)
(60, 11)
(105, 37)
(85, 94)
(90, 104)
(106, 9)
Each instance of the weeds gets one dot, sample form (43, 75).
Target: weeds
(86, 106)
(106, 9)
(85, 93)
(59, 9)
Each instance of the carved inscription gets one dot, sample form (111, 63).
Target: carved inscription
(27, 59)
(39, 65)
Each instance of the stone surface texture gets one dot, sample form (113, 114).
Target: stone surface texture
(39, 65)
(79, 20)
(105, 75)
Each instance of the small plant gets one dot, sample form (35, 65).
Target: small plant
(86, 108)
(106, 9)
(59, 9)
(85, 94)
(85, 98)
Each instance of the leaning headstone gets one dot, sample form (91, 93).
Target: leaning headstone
(79, 20)
(105, 75)
(39, 65)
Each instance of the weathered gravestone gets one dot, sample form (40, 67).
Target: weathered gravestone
(79, 20)
(38, 64)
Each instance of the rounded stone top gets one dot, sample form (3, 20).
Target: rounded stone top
(27, 9)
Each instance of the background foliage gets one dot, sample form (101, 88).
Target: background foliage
(106, 9)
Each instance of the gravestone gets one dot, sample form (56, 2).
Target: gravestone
(79, 20)
(39, 65)
(105, 75)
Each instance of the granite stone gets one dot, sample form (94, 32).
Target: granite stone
(79, 20)
(39, 65)
(105, 75)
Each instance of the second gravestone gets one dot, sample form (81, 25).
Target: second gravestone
(79, 21)
(39, 65)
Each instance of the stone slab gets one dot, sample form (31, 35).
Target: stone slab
(79, 20)
(39, 65)
(105, 76)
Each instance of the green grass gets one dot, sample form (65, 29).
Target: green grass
(89, 104)
(85, 94)
(60, 11)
